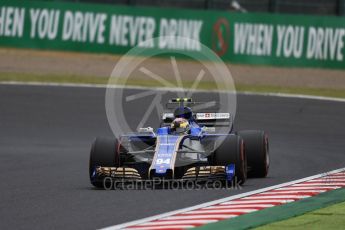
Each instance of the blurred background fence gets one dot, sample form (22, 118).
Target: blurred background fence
(311, 7)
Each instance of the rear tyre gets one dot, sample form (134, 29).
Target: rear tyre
(104, 152)
(232, 151)
(257, 150)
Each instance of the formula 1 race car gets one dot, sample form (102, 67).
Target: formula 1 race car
(186, 147)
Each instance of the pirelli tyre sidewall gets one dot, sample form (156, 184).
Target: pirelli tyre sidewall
(104, 152)
(257, 150)
(232, 151)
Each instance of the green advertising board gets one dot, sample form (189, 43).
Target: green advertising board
(248, 38)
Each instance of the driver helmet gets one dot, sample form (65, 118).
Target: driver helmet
(180, 125)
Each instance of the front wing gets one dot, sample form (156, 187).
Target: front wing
(198, 173)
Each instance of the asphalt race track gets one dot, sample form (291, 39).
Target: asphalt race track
(46, 133)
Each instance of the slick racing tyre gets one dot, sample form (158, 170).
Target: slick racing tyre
(257, 150)
(232, 151)
(104, 152)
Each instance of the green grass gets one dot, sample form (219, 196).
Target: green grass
(332, 217)
(151, 83)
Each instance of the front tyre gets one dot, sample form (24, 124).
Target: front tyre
(104, 152)
(257, 150)
(232, 151)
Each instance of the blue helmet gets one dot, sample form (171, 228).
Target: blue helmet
(183, 112)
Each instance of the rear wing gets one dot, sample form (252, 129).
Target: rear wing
(211, 118)
(188, 102)
(204, 119)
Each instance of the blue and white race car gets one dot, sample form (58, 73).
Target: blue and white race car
(186, 147)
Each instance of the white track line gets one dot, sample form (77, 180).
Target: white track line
(301, 96)
(227, 200)
(34, 83)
